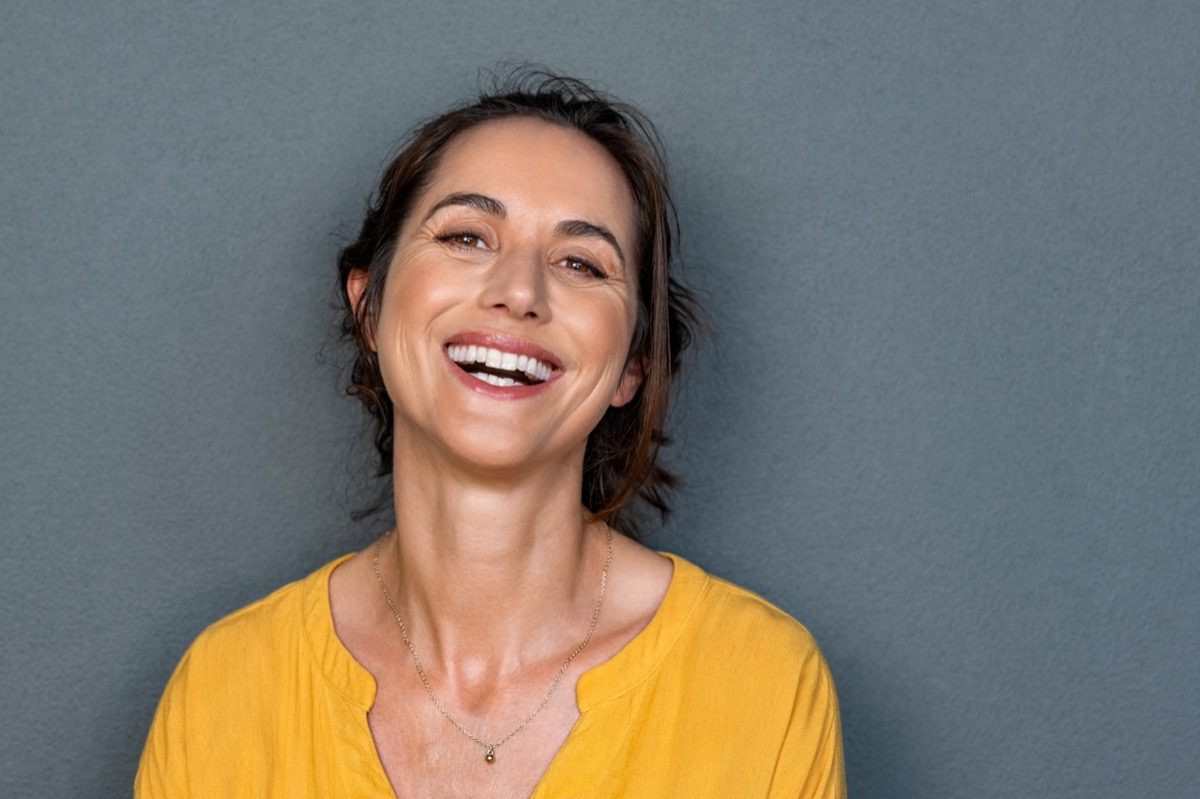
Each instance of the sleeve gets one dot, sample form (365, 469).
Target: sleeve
(810, 764)
(162, 771)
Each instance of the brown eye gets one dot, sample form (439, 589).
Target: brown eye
(464, 240)
(581, 267)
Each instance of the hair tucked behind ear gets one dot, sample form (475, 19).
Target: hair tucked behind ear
(621, 462)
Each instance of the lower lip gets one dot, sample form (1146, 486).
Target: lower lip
(499, 392)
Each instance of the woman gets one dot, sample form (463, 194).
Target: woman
(517, 333)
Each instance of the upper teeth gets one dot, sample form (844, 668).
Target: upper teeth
(499, 359)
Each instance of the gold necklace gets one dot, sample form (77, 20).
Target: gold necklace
(490, 748)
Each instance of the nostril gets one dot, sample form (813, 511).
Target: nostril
(513, 308)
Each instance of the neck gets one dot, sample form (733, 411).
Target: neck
(491, 572)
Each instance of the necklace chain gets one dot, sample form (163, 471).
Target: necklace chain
(491, 748)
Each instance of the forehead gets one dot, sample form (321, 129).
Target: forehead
(536, 168)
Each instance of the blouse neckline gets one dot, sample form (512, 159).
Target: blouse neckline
(623, 672)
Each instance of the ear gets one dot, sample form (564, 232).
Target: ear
(356, 287)
(631, 381)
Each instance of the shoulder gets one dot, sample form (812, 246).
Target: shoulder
(230, 661)
(225, 692)
(762, 669)
(265, 625)
(726, 615)
(732, 643)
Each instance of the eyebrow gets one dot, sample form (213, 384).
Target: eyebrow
(493, 207)
(577, 227)
(480, 202)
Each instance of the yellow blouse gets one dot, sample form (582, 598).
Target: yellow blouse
(722, 695)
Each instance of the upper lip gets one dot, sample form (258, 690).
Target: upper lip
(500, 341)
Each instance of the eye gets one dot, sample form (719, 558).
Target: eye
(582, 267)
(463, 238)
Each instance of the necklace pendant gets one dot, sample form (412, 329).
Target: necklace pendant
(490, 757)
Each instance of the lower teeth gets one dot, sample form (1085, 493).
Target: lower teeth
(494, 380)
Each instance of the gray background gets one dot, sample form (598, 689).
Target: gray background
(950, 421)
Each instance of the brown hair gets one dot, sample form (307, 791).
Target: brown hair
(621, 462)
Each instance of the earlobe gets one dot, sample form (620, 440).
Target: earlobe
(631, 381)
(356, 288)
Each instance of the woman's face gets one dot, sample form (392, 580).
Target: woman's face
(510, 303)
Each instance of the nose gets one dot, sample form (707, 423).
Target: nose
(515, 283)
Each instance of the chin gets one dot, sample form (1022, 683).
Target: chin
(484, 448)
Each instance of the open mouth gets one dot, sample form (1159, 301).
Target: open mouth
(497, 367)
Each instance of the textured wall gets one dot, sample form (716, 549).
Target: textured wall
(950, 422)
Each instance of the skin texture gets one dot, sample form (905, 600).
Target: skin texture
(493, 569)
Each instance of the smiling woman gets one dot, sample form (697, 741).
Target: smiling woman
(622, 453)
(517, 333)
(514, 246)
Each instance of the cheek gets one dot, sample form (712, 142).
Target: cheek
(611, 334)
(390, 350)
(414, 293)
(632, 313)
(420, 293)
(402, 317)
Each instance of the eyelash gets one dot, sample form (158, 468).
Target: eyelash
(587, 265)
(454, 238)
